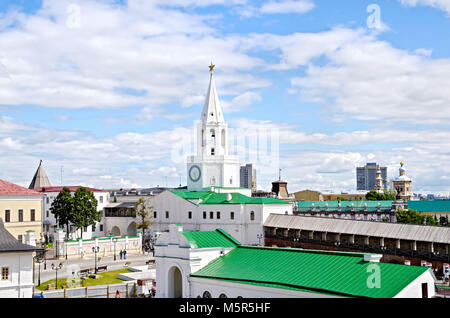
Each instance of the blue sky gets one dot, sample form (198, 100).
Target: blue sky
(109, 90)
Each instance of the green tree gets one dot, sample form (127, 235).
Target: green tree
(85, 209)
(144, 219)
(389, 195)
(372, 195)
(62, 209)
(414, 217)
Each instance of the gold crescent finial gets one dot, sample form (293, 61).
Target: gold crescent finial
(211, 67)
(402, 163)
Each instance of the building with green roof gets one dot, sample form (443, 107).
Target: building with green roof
(225, 208)
(214, 264)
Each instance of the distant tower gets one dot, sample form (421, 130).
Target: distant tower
(403, 184)
(212, 166)
(40, 179)
(378, 181)
(279, 188)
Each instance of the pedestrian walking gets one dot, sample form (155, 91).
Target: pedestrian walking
(124, 254)
(121, 253)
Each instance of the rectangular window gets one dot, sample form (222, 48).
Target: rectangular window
(48, 200)
(7, 216)
(101, 199)
(167, 214)
(47, 213)
(204, 214)
(190, 215)
(20, 238)
(32, 215)
(155, 214)
(211, 215)
(218, 215)
(85, 229)
(101, 227)
(5, 273)
(232, 215)
(20, 215)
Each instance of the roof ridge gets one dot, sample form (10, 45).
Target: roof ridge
(290, 249)
(228, 236)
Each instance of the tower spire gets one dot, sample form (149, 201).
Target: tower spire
(212, 111)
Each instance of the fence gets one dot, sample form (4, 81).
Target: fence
(127, 290)
(106, 246)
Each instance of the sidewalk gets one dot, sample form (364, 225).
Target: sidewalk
(87, 262)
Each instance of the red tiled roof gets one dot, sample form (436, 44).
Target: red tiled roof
(71, 188)
(8, 188)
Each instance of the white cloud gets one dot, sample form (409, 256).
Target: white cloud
(138, 54)
(287, 6)
(365, 78)
(243, 101)
(443, 5)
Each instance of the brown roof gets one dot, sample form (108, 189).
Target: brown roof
(8, 188)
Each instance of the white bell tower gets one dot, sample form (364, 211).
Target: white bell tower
(212, 166)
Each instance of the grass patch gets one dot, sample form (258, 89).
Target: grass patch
(105, 279)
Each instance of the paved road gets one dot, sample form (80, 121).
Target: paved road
(87, 262)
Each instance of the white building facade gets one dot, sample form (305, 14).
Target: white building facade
(241, 216)
(16, 265)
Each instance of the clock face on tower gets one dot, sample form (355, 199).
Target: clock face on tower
(195, 173)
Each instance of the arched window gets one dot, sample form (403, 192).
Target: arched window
(213, 137)
(223, 296)
(206, 294)
(252, 216)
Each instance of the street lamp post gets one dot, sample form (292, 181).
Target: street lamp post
(56, 269)
(115, 241)
(65, 242)
(39, 259)
(96, 250)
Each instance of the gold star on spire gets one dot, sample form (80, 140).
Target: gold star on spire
(211, 67)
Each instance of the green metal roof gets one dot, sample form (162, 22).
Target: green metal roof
(208, 197)
(338, 273)
(345, 204)
(430, 206)
(190, 195)
(217, 238)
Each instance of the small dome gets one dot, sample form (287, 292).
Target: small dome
(402, 178)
